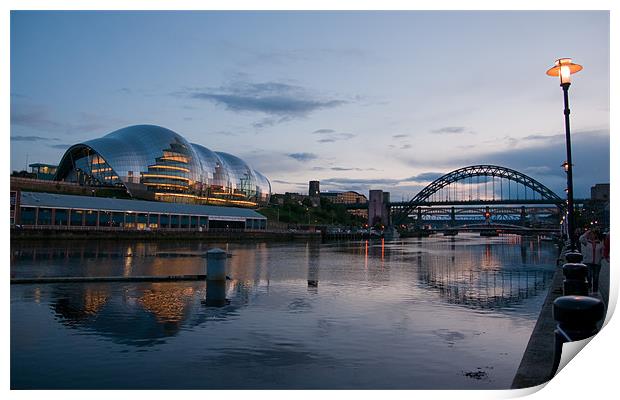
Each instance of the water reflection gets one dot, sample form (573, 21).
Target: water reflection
(140, 315)
(314, 263)
(293, 314)
(216, 294)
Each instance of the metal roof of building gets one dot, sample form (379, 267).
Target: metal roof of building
(53, 200)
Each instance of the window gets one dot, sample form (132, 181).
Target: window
(27, 215)
(45, 216)
(76, 217)
(61, 217)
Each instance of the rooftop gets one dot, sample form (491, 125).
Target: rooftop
(53, 200)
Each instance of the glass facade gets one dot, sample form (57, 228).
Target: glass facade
(41, 216)
(160, 161)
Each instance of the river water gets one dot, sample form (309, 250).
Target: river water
(431, 313)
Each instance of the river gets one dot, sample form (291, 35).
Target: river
(430, 313)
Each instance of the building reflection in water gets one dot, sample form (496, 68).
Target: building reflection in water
(138, 315)
(484, 275)
(313, 257)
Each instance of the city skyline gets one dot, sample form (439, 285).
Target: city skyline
(357, 100)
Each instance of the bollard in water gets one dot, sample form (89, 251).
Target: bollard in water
(216, 265)
(573, 257)
(575, 279)
(216, 294)
(578, 318)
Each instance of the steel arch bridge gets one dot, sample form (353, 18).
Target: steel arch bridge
(486, 171)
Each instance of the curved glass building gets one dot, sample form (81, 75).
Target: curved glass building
(153, 162)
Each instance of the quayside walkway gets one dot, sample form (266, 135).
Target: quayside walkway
(537, 362)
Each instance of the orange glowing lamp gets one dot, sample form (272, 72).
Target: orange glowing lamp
(564, 68)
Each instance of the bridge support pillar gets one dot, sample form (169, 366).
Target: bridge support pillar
(522, 217)
(452, 217)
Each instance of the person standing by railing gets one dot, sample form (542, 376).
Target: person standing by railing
(592, 250)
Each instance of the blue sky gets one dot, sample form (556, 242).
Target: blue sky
(358, 100)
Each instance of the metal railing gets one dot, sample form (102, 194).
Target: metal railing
(135, 229)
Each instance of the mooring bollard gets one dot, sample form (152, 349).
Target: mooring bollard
(577, 318)
(216, 294)
(575, 279)
(216, 278)
(216, 265)
(573, 257)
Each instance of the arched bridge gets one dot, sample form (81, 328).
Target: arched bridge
(478, 185)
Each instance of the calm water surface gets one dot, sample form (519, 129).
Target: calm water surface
(432, 313)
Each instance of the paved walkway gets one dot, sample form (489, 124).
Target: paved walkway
(537, 361)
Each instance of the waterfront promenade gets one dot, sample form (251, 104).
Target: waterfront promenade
(536, 365)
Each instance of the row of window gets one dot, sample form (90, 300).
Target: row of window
(128, 219)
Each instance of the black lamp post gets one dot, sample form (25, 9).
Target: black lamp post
(563, 68)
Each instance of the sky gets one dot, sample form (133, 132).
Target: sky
(357, 100)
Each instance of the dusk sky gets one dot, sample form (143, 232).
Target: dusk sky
(357, 100)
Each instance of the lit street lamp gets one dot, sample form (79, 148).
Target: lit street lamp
(563, 68)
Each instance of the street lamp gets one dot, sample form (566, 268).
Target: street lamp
(564, 68)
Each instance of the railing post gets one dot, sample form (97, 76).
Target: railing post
(575, 279)
(578, 318)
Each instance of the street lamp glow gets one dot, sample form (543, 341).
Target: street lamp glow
(564, 68)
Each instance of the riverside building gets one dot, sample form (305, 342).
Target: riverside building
(143, 177)
(154, 163)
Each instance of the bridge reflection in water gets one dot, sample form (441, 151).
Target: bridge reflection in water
(289, 308)
(495, 278)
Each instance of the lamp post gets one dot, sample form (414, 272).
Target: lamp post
(563, 68)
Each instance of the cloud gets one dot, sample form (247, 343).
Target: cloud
(425, 177)
(336, 137)
(271, 98)
(400, 136)
(30, 138)
(330, 135)
(449, 130)
(351, 169)
(405, 146)
(60, 146)
(37, 117)
(542, 160)
(287, 182)
(33, 117)
(270, 121)
(361, 181)
(303, 157)
(544, 137)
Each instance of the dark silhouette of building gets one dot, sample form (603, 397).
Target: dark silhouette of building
(314, 188)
